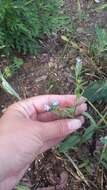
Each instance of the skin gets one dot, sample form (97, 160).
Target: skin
(26, 130)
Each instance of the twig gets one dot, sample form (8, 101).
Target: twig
(102, 117)
(101, 120)
(65, 166)
(103, 150)
(80, 174)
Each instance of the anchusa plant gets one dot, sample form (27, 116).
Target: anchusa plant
(70, 112)
(77, 139)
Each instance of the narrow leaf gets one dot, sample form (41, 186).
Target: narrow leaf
(90, 130)
(20, 187)
(64, 38)
(104, 164)
(96, 91)
(102, 7)
(104, 140)
(87, 115)
(69, 143)
(88, 134)
(8, 88)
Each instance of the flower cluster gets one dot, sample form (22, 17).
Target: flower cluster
(52, 106)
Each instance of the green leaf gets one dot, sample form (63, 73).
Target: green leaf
(88, 134)
(24, 22)
(90, 130)
(87, 115)
(7, 72)
(104, 140)
(102, 7)
(69, 143)
(99, 45)
(7, 87)
(104, 164)
(78, 69)
(96, 91)
(20, 187)
(17, 63)
(68, 113)
(104, 155)
(64, 38)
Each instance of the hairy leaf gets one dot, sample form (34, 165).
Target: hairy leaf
(104, 156)
(104, 164)
(99, 45)
(20, 187)
(88, 134)
(87, 115)
(69, 143)
(90, 130)
(102, 7)
(104, 140)
(96, 91)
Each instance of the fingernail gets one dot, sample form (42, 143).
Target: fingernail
(74, 124)
(82, 119)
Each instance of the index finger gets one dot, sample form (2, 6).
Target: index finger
(38, 102)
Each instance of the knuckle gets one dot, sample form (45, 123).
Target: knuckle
(62, 128)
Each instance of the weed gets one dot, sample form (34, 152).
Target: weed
(7, 87)
(16, 63)
(69, 112)
(76, 140)
(99, 45)
(23, 23)
(20, 187)
(102, 7)
(80, 13)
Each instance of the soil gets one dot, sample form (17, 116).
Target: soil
(46, 74)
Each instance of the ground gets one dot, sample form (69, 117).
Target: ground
(50, 73)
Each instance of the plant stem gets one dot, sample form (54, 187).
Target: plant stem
(103, 150)
(79, 9)
(102, 117)
(80, 174)
(101, 120)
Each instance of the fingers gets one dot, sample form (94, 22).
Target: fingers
(49, 144)
(46, 117)
(63, 100)
(31, 107)
(80, 109)
(60, 128)
(49, 116)
(37, 103)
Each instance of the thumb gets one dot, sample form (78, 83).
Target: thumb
(60, 128)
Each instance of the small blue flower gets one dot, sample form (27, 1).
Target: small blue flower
(47, 108)
(78, 67)
(78, 60)
(55, 103)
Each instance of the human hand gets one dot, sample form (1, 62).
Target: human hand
(27, 130)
